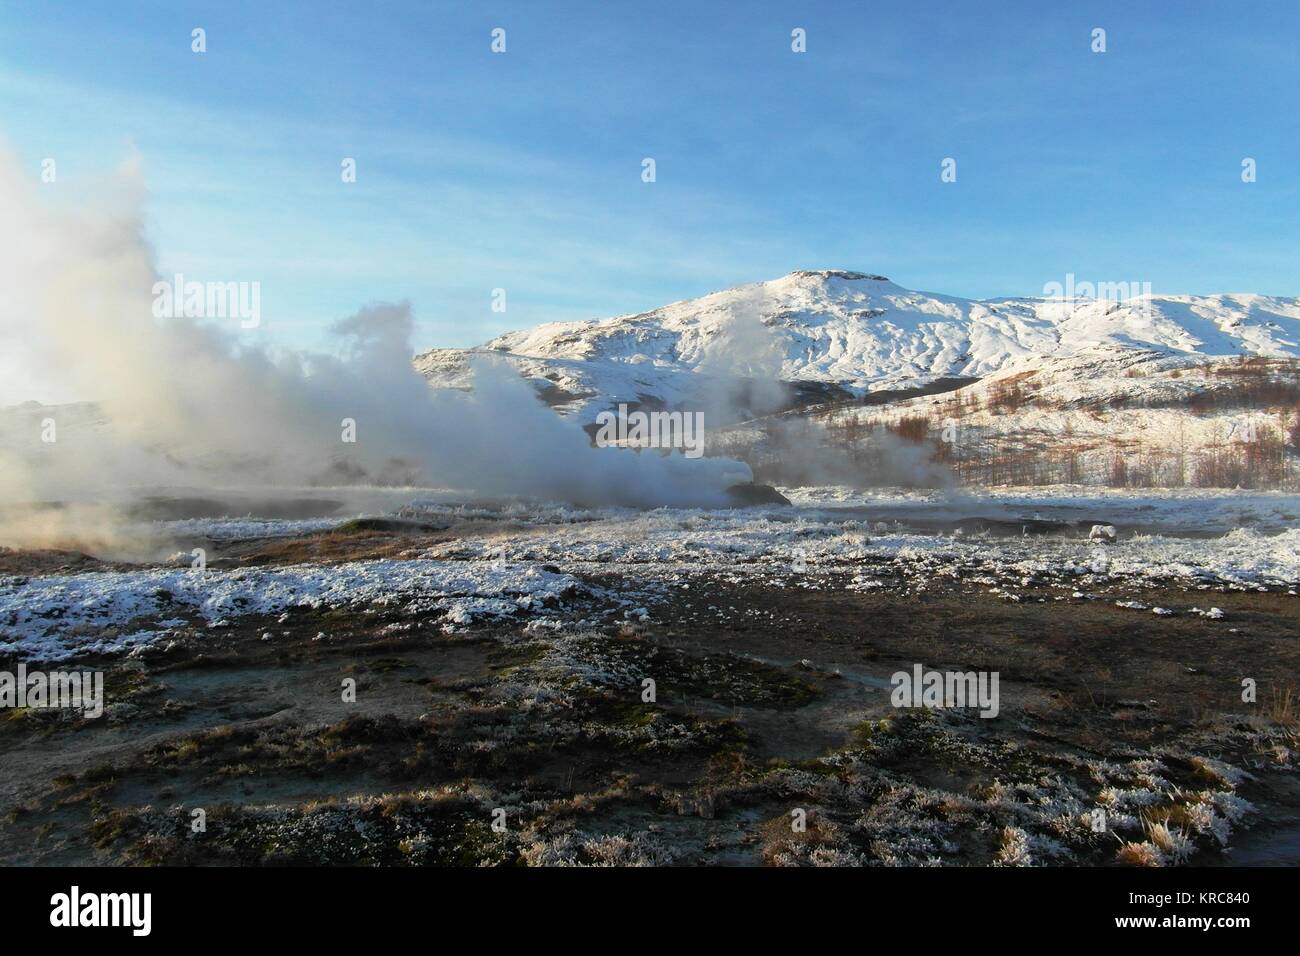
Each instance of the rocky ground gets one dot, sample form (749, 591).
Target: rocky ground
(511, 723)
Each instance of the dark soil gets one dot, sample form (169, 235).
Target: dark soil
(768, 701)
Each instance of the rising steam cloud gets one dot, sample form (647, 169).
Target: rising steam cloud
(181, 402)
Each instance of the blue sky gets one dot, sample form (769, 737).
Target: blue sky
(523, 170)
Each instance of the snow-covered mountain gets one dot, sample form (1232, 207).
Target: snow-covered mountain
(835, 334)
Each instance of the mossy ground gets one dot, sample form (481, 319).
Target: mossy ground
(753, 722)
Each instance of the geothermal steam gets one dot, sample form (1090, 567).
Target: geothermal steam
(187, 403)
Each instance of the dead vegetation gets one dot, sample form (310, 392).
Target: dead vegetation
(549, 734)
(981, 435)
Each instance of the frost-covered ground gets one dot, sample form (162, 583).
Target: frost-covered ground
(54, 617)
(499, 653)
(525, 561)
(1178, 511)
(236, 529)
(680, 542)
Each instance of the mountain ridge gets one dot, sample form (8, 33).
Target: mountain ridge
(856, 332)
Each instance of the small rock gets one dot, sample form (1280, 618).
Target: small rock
(1102, 534)
(121, 712)
(750, 493)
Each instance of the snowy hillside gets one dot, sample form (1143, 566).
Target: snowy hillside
(1116, 416)
(839, 334)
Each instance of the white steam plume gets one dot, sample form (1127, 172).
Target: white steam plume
(187, 403)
